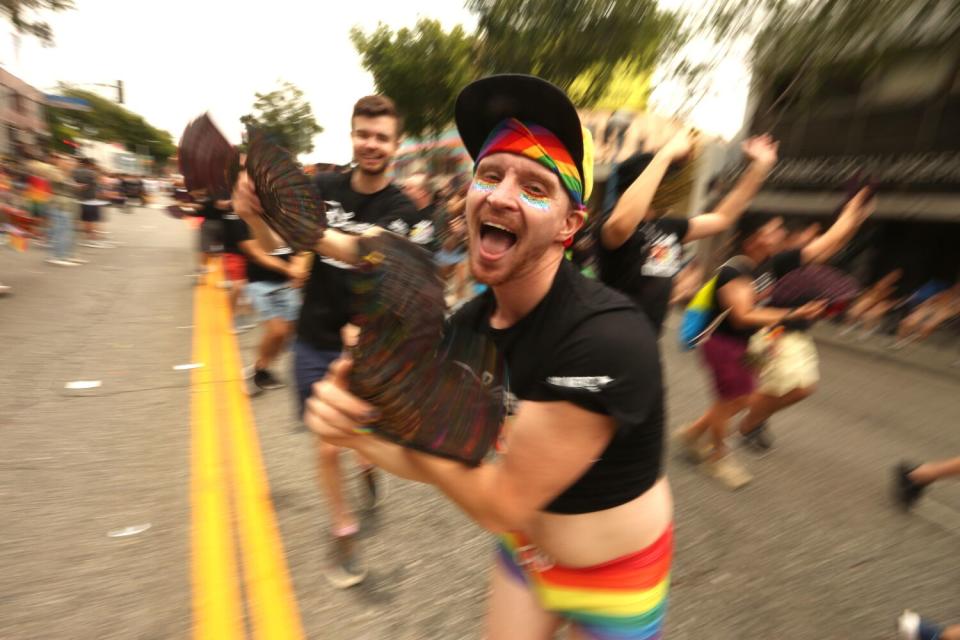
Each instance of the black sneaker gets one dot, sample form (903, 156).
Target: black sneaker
(906, 491)
(759, 440)
(345, 570)
(374, 489)
(265, 380)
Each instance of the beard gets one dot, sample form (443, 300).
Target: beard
(377, 170)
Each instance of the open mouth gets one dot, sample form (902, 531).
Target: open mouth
(495, 239)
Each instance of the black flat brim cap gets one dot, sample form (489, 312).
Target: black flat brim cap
(485, 103)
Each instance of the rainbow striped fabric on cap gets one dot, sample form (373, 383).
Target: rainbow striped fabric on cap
(535, 142)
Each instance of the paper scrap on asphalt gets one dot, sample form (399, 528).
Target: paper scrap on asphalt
(83, 384)
(128, 531)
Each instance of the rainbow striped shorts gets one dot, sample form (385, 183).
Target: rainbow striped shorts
(624, 599)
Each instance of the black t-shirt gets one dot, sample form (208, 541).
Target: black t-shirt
(586, 344)
(209, 210)
(644, 266)
(256, 272)
(420, 226)
(764, 276)
(235, 231)
(87, 179)
(326, 303)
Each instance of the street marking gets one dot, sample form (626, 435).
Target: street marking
(217, 604)
(271, 602)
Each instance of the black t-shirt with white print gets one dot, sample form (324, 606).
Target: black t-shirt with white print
(764, 276)
(644, 266)
(587, 344)
(327, 293)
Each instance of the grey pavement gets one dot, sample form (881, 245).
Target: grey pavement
(812, 550)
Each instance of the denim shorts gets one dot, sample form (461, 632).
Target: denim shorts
(275, 300)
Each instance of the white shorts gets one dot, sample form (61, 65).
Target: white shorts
(791, 364)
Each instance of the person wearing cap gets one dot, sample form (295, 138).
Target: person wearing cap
(640, 251)
(578, 498)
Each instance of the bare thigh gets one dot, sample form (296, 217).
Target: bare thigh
(513, 612)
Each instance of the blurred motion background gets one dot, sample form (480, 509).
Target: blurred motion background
(853, 90)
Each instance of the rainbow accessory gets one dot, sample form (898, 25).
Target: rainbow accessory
(624, 599)
(535, 142)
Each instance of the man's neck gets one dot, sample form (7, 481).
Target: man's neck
(368, 182)
(517, 298)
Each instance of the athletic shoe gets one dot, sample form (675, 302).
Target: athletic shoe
(759, 439)
(692, 451)
(374, 489)
(728, 471)
(911, 626)
(345, 569)
(61, 263)
(906, 491)
(266, 380)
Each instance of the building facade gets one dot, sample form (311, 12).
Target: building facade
(22, 125)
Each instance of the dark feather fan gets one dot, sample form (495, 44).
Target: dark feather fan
(207, 160)
(437, 392)
(292, 206)
(814, 282)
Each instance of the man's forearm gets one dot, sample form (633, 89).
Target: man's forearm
(634, 205)
(389, 456)
(735, 203)
(824, 247)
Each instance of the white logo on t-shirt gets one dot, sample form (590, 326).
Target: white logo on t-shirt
(590, 383)
(664, 257)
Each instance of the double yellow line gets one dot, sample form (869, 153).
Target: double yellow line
(230, 495)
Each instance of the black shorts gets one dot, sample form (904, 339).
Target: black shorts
(90, 212)
(211, 236)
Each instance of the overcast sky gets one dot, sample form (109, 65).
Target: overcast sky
(179, 58)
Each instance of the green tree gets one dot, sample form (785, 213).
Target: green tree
(579, 44)
(286, 116)
(421, 69)
(20, 14)
(109, 122)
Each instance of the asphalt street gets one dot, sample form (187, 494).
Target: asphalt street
(95, 484)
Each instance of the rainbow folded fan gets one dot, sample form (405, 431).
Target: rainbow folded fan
(437, 390)
(207, 159)
(292, 205)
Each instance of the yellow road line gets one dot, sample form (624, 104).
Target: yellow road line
(271, 602)
(217, 609)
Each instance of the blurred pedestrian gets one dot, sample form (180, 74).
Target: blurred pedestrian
(358, 200)
(640, 251)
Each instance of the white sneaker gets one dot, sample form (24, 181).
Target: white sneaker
(693, 452)
(908, 626)
(728, 471)
(61, 263)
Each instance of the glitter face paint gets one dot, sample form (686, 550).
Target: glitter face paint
(540, 203)
(481, 185)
